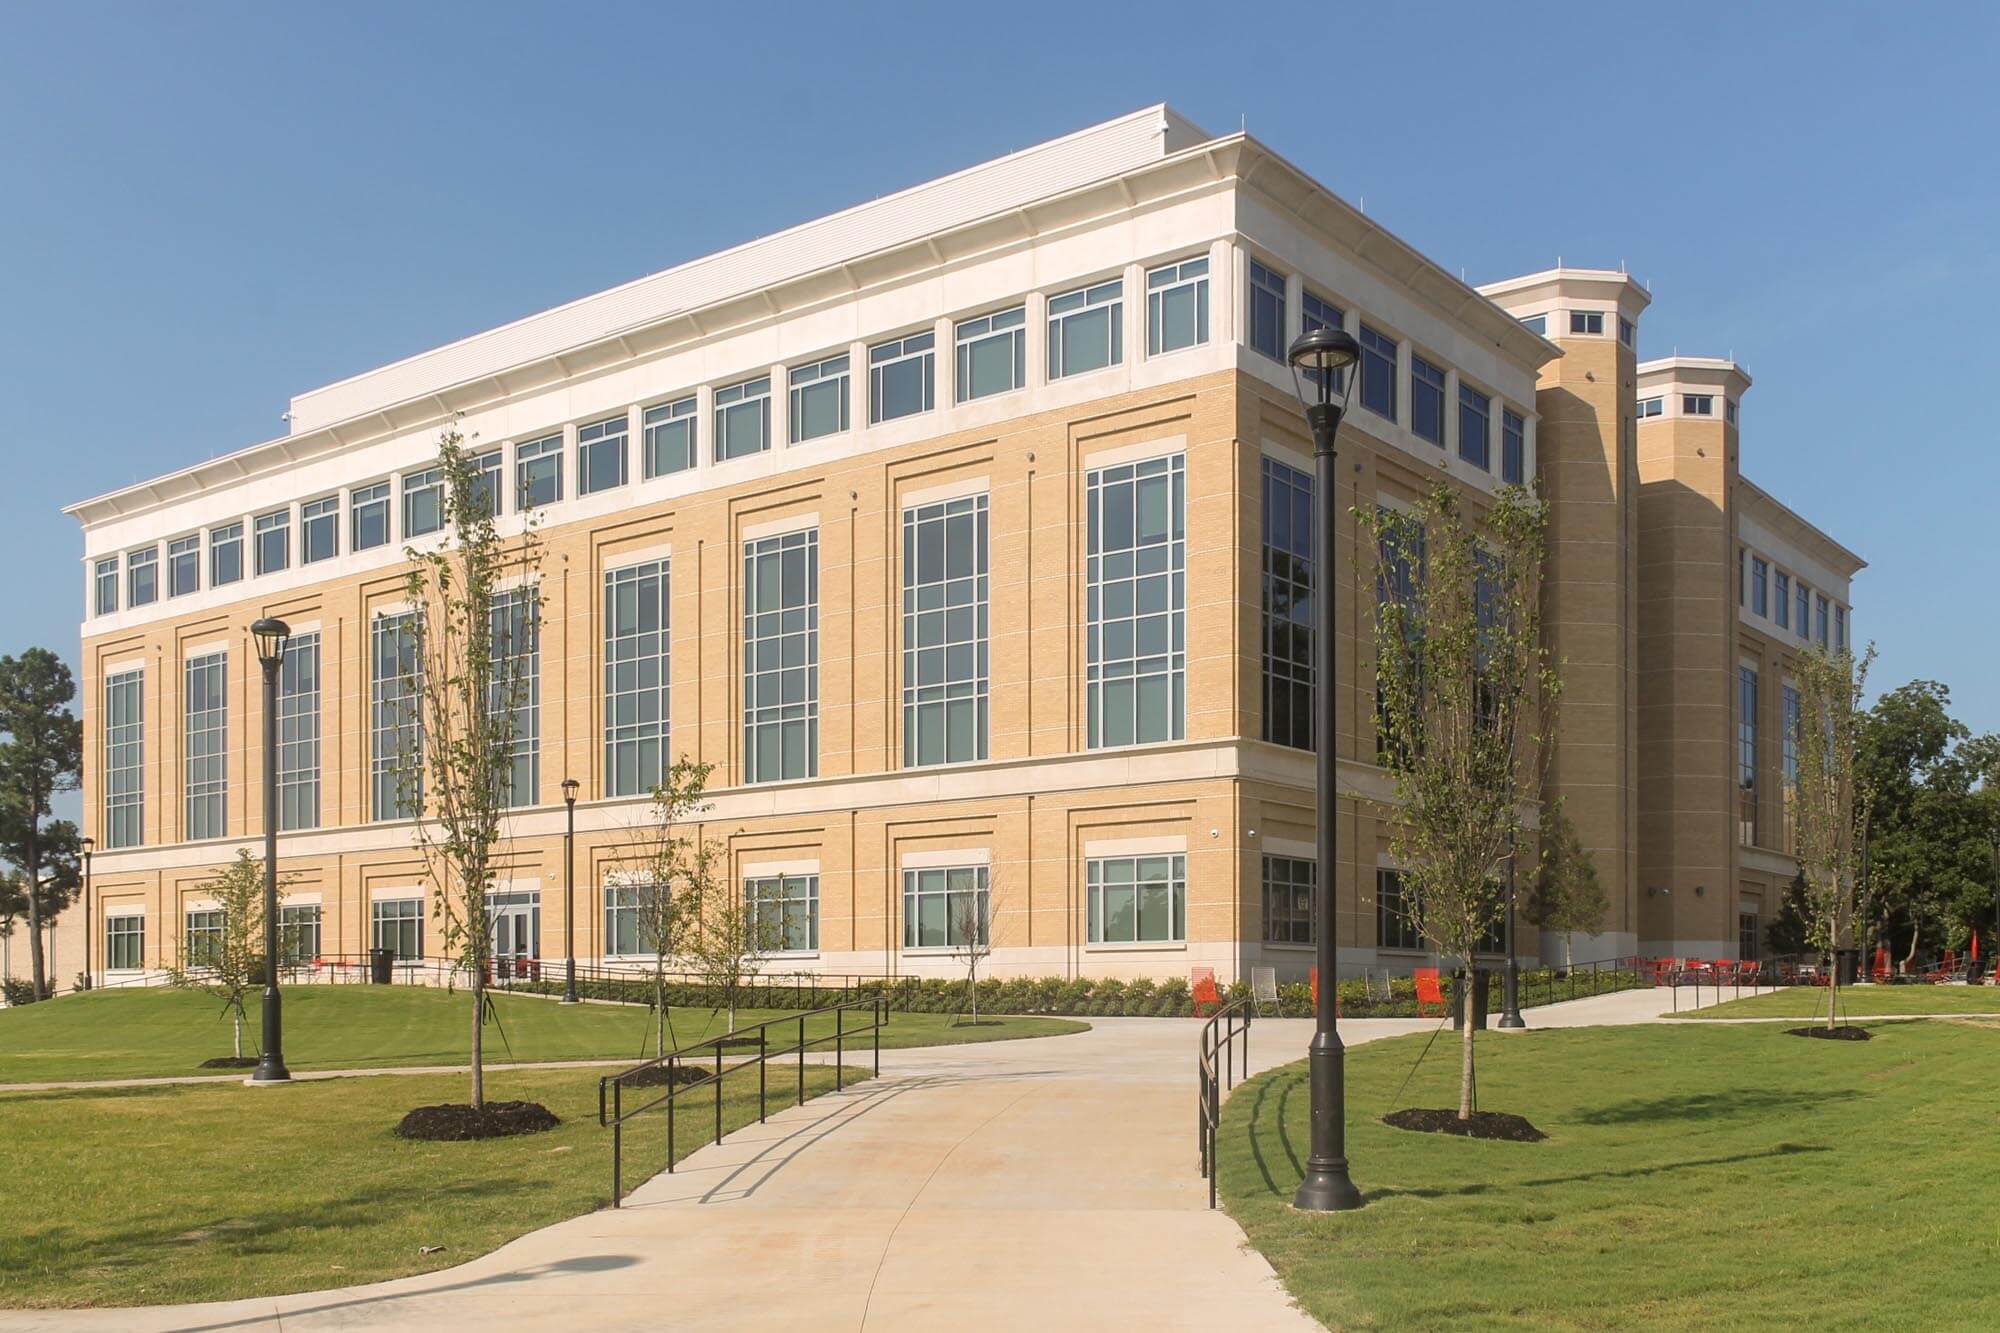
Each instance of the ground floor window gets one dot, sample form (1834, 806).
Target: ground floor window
(1746, 935)
(201, 941)
(784, 912)
(399, 926)
(124, 943)
(1395, 913)
(940, 904)
(1288, 900)
(298, 933)
(624, 919)
(1137, 899)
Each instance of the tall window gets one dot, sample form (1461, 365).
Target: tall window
(784, 909)
(1627, 334)
(395, 724)
(205, 738)
(484, 491)
(423, 502)
(1316, 312)
(992, 354)
(1781, 600)
(1137, 899)
(271, 541)
(1746, 756)
(819, 398)
(1513, 448)
(945, 631)
(1819, 620)
(1087, 329)
(298, 933)
(201, 938)
(902, 377)
(1805, 611)
(398, 926)
(184, 565)
(781, 657)
(1746, 935)
(517, 686)
(538, 472)
(1475, 427)
(624, 915)
(1427, 401)
(368, 517)
(1760, 586)
(107, 586)
(1378, 373)
(1288, 605)
(124, 759)
(637, 655)
(1266, 315)
(319, 529)
(298, 733)
(1840, 628)
(142, 576)
(1792, 739)
(225, 554)
(1397, 571)
(1395, 913)
(670, 437)
(1136, 654)
(1177, 306)
(1288, 900)
(743, 419)
(125, 943)
(939, 903)
(600, 455)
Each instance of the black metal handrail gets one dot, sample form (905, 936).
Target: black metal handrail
(1215, 1063)
(611, 1112)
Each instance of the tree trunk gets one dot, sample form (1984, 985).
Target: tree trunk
(1567, 959)
(1465, 1065)
(239, 1031)
(478, 1035)
(1916, 933)
(35, 916)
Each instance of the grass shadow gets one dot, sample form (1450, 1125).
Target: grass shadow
(1709, 1105)
(1580, 1177)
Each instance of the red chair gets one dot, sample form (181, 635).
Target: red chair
(1429, 991)
(1313, 977)
(1202, 984)
(1749, 972)
(1725, 971)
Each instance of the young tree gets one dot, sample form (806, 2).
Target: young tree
(1833, 799)
(1567, 896)
(41, 756)
(230, 963)
(972, 932)
(682, 872)
(1466, 692)
(728, 935)
(472, 639)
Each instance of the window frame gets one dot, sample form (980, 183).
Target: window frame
(269, 530)
(1697, 404)
(123, 770)
(733, 399)
(178, 552)
(1289, 666)
(1648, 408)
(1422, 386)
(1164, 281)
(1265, 282)
(226, 539)
(1381, 357)
(762, 893)
(1586, 323)
(412, 487)
(107, 572)
(1153, 870)
(1300, 874)
(205, 747)
(656, 421)
(1475, 402)
(299, 737)
(804, 385)
(543, 457)
(142, 568)
(950, 884)
(376, 496)
(1119, 582)
(122, 932)
(966, 344)
(933, 636)
(780, 625)
(389, 929)
(1513, 447)
(885, 358)
(1107, 294)
(313, 512)
(624, 654)
(608, 436)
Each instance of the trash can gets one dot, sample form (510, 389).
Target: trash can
(381, 966)
(1473, 987)
(1847, 966)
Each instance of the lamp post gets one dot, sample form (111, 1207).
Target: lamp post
(271, 634)
(569, 790)
(87, 845)
(1510, 986)
(1323, 361)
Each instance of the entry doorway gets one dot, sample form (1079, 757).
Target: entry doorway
(514, 925)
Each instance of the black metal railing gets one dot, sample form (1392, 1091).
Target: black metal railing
(1225, 1038)
(613, 1115)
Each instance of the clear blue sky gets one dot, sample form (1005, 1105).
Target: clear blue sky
(210, 207)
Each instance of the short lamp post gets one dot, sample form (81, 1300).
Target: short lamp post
(271, 635)
(87, 845)
(1323, 363)
(570, 787)
(1510, 986)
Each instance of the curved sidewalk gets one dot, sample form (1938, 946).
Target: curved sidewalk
(1049, 1181)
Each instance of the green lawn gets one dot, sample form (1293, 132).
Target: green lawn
(163, 1033)
(1862, 1001)
(141, 1196)
(1694, 1177)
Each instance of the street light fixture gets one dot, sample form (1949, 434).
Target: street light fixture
(1323, 363)
(570, 786)
(87, 845)
(271, 634)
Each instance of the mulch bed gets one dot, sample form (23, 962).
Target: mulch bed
(655, 1076)
(456, 1122)
(1832, 1034)
(231, 1062)
(1482, 1125)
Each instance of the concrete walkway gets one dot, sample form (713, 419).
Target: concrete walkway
(1042, 1182)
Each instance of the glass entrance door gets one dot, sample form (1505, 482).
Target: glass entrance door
(515, 922)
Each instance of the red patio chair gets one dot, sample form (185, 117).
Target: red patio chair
(1725, 971)
(1749, 972)
(1312, 976)
(1429, 991)
(1202, 983)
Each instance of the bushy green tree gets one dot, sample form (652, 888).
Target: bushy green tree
(41, 756)
(1567, 896)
